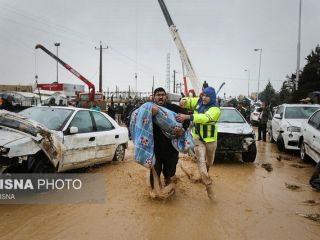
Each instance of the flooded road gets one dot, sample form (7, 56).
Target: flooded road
(250, 203)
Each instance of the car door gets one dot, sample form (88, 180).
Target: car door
(307, 131)
(79, 148)
(276, 122)
(107, 137)
(315, 137)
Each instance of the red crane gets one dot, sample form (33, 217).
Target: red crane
(67, 66)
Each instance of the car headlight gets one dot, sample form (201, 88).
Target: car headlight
(293, 129)
(4, 150)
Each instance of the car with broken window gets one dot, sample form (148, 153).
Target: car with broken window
(310, 140)
(55, 139)
(286, 124)
(235, 135)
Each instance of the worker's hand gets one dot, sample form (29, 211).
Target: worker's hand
(178, 131)
(155, 110)
(182, 117)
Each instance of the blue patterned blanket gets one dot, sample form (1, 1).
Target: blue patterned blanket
(141, 129)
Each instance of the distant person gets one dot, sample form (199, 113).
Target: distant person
(205, 85)
(112, 111)
(127, 112)
(95, 106)
(315, 178)
(241, 109)
(262, 122)
(119, 111)
(52, 102)
(61, 102)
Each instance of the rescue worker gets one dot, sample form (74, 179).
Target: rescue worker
(204, 131)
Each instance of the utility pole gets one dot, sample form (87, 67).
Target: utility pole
(36, 77)
(152, 84)
(100, 67)
(174, 81)
(136, 77)
(298, 47)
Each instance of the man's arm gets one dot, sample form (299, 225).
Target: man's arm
(177, 109)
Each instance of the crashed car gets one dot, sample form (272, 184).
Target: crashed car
(235, 135)
(55, 139)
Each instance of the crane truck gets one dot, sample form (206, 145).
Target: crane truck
(85, 99)
(182, 52)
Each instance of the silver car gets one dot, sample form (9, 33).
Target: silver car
(56, 139)
(310, 139)
(235, 135)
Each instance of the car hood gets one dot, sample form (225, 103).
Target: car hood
(295, 122)
(7, 137)
(21, 127)
(235, 128)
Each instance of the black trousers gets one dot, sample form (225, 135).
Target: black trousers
(167, 165)
(262, 130)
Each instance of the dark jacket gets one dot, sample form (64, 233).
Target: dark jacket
(264, 115)
(162, 144)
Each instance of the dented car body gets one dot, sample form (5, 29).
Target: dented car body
(235, 135)
(56, 139)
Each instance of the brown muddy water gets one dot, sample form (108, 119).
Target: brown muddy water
(250, 203)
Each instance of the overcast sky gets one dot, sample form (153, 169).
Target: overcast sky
(219, 36)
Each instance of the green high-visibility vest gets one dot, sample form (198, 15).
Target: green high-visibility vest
(204, 124)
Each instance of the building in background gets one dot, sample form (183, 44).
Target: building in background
(17, 88)
(67, 89)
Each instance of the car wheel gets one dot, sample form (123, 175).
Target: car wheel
(119, 153)
(251, 154)
(303, 155)
(42, 166)
(280, 143)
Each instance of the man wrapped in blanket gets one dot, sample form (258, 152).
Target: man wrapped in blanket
(205, 115)
(157, 145)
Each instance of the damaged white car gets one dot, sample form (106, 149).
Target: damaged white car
(235, 135)
(55, 139)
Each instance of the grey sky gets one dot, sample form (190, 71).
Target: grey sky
(219, 36)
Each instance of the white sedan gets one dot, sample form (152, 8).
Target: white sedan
(55, 139)
(310, 139)
(286, 124)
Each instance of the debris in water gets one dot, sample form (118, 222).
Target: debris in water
(292, 186)
(297, 165)
(267, 166)
(279, 158)
(312, 216)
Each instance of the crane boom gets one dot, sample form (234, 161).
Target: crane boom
(182, 51)
(67, 66)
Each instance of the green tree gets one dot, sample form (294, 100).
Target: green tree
(287, 90)
(269, 95)
(309, 80)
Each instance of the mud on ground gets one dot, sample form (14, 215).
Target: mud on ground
(251, 203)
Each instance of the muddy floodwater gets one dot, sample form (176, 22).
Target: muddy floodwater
(267, 199)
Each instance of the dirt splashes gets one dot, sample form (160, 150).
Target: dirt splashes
(267, 166)
(312, 216)
(292, 186)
